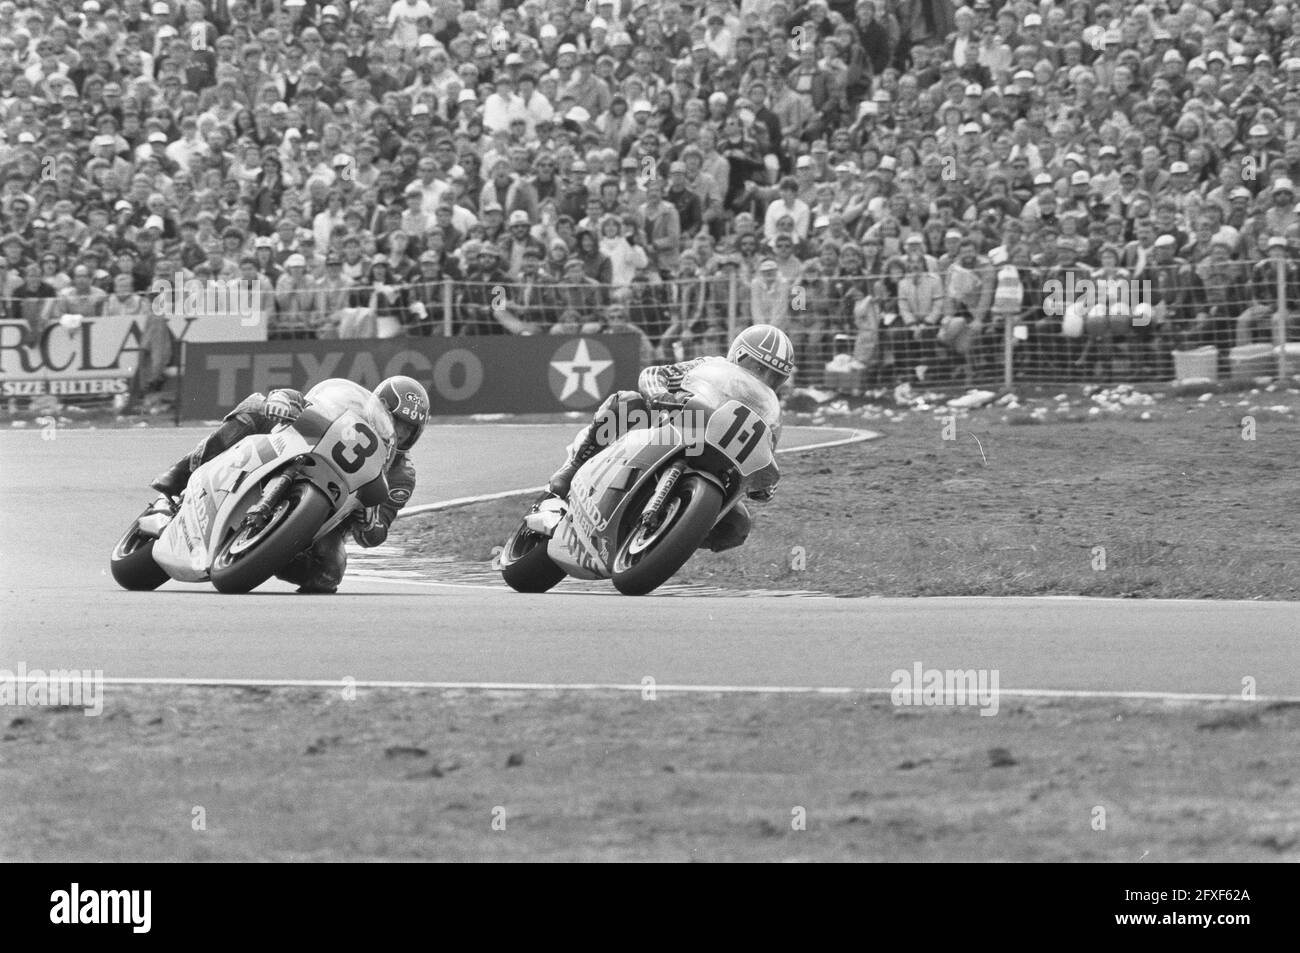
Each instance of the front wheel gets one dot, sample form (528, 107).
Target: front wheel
(132, 562)
(247, 559)
(649, 558)
(525, 566)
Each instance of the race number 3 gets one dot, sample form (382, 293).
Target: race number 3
(362, 450)
(737, 442)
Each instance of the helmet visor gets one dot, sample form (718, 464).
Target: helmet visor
(769, 376)
(408, 431)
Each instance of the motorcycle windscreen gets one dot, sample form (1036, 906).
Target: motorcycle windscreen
(718, 381)
(352, 431)
(184, 548)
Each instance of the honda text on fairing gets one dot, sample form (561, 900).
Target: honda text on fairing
(244, 515)
(637, 510)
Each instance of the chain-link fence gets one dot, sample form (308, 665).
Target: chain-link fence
(979, 324)
(943, 323)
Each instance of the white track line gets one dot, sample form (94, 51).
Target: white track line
(855, 436)
(677, 689)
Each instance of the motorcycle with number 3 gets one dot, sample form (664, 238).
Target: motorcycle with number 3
(246, 513)
(639, 508)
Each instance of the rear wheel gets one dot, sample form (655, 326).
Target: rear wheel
(525, 566)
(649, 558)
(249, 558)
(132, 562)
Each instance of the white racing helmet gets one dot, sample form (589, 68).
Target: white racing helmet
(764, 351)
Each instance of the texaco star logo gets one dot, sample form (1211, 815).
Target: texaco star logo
(581, 373)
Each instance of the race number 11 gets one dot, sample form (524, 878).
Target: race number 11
(738, 443)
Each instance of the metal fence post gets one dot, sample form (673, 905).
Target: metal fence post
(1008, 346)
(733, 304)
(446, 307)
(1279, 326)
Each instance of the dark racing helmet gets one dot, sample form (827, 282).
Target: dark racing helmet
(765, 352)
(407, 403)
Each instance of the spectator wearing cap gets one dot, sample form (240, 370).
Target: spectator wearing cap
(1260, 157)
(295, 316)
(1280, 213)
(579, 297)
(517, 241)
(769, 295)
(482, 294)
(264, 256)
(534, 296)
(1255, 320)
(503, 105)
(1170, 279)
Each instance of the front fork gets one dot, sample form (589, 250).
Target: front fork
(260, 512)
(652, 514)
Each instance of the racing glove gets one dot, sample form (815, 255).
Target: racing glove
(281, 407)
(671, 400)
(368, 527)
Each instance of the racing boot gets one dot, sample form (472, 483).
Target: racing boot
(232, 430)
(582, 450)
(172, 481)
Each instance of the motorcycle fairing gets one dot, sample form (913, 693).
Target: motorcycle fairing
(604, 488)
(217, 490)
(221, 491)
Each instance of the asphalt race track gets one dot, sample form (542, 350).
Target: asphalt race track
(66, 500)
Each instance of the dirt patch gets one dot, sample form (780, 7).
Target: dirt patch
(208, 774)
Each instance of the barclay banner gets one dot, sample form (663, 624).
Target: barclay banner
(465, 375)
(98, 355)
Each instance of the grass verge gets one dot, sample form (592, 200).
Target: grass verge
(1175, 506)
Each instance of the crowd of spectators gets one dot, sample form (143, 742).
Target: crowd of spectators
(903, 180)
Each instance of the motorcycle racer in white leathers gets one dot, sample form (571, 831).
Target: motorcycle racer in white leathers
(763, 350)
(320, 568)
